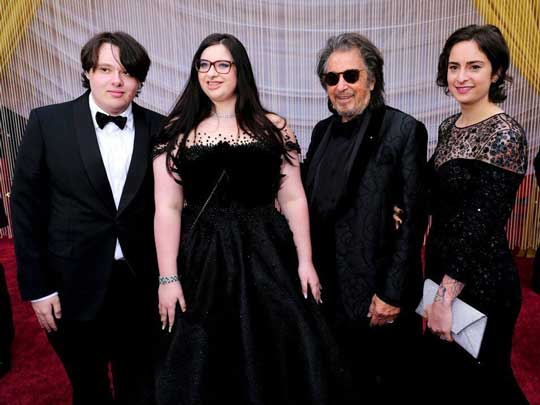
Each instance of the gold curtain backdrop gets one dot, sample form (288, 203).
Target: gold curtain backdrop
(40, 42)
(15, 17)
(519, 21)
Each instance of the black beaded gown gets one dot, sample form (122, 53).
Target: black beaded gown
(475, 173)
(248, 335)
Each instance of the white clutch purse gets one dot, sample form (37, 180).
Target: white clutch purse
(468, 324)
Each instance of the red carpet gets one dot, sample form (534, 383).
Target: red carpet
(526, 343)
(37, 376)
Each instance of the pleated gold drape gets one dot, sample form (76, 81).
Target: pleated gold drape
(15, 15)
(519, 22)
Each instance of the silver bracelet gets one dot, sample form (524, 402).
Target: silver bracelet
(167, 279)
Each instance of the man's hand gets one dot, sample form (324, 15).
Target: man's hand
(398, 217)
(46, 311)
(381, 313)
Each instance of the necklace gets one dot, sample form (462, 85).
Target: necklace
(225, 115)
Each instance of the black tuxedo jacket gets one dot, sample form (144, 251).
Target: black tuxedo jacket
(65, 222)
(385, 167)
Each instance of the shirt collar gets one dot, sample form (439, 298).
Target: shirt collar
(94, 108)
(346, 128)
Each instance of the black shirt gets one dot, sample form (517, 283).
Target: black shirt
(332, 166)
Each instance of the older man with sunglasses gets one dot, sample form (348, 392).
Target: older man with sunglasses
(364, 159)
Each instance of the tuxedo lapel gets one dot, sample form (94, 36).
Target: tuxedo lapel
(312, 175)
(89, 150)
(139, 158)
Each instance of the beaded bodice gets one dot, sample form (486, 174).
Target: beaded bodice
(251, 169)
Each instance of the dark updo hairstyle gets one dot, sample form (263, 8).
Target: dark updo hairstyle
(133, 56)
(193, 105)
(491, 42)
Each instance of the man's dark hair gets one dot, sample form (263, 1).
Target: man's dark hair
(370, 54)
(133, 56)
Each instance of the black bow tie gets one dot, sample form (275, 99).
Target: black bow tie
(104, 119)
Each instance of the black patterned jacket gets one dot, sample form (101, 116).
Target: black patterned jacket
(386, 168)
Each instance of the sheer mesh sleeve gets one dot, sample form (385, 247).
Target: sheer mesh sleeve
(498, 140)
(507, 149)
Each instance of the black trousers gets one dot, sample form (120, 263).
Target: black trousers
(7, 331)
(119, 342)
(381, 359)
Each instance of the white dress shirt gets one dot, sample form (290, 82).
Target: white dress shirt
(116, 148)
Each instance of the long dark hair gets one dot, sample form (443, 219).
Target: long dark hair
(491, 42)
(194, 106)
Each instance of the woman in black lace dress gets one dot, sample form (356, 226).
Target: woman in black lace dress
(476, 169)
(238, 289)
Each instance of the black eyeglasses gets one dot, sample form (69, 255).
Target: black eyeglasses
(221, 66)
(351, 76)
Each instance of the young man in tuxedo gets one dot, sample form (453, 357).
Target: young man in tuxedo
(82, 210)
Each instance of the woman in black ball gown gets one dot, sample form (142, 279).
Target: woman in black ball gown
(238, 289)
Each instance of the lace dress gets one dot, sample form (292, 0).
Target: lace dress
(475, 173)
(248, 336)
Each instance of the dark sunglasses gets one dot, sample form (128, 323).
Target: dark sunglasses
(350, 75)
